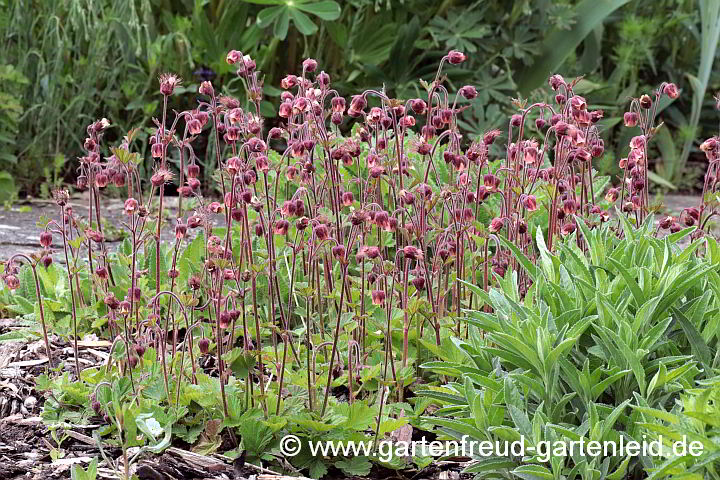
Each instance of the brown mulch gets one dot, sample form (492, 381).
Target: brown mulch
(26, 442)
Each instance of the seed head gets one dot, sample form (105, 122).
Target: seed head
(168, 82)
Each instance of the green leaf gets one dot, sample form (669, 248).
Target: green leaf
(560, 44)
(302, 22)
(326, 10)
(355, 466)
(699, 348)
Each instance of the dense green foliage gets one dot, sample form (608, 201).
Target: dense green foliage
(70, 61)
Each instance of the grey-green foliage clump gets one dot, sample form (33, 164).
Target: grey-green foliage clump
(618, 340)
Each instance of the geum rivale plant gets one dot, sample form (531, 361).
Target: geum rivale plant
(331, 262)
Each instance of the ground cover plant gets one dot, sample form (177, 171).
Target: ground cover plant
(397, 281)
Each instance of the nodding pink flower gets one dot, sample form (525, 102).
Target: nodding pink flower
(407, 197)
(709, 144)
(418, 283)
(378, 297)
(556, 81)
(224, 320)
(413, 253)
(285, 109)
(280, 227)
(630, 119)
(233, 57)
(425, 190)
(582, 155)
(309, 65)
(206, 88)
(299, 207)
(530, 153)
(530, 203)
(111, 301)
(124, 307)
(47, 260)
(180, 230)
(131, 206)
(666, 222)
(323, 79)
(228, 274)
(468, 91)
(288, 208)
(445, 117)
(468, 214)
(357, 105)
(567, 229)
(646, 102)
(256, 145)
(156, 150)
(422, 147)
(560, 99)
(195, 126)
(597, 149)
(460, 163)
(562, 128)
(100, 125)
(577, 136)
(418, 106)
(489, 137)
(215, 207)
(375, 114)
(381, 219)
(540, 123)
(168, 82)
(637, 142)
(370, 252)
(455, 57)
(377, 171)
(348, 199)
(321, 232)
(95, 236)
(262, 163)
(516, 120)
(569, 206)
(12, 282)
(102, 179)
(230, 200)
(194, 221)
(612, 195)
(496, 225)
(578, 103)
(46, 239)
(407, 121)
(582, 117)
(490, 181)
(338, 251)
(338, 104)
(259, 229)
(249, 177)
(248, 64)
(289, 82)
(193, 170)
